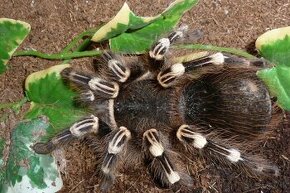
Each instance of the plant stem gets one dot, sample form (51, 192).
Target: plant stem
(217, 48)
(67, 53)
(73, 43)
(59, 56)
(81, 47)
(84, 45)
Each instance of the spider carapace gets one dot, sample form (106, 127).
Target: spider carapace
(154, 112)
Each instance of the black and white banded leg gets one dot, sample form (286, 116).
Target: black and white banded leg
(161, 167)
(118, 70)
(115, 147)
(233, 60)
(190, 137)
(99, 86)
(167, 77)
(87, 96)
(160, 48)
(86, 126)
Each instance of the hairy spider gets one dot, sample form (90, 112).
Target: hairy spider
(161, 111)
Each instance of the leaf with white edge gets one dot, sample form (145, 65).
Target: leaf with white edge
(12, 34)
(274, 46)
(50, 96)
(129, 33)
(140, 40)
(26, 171)
(124, 20)
(277, 80)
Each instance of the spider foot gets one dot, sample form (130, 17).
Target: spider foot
(104, 88)
(162, 168)
(119, 71)
(43, 148)
(160, 48)
(116, 145)
(167, 77)
(99, 86)
(86, 96)
(89, 125)
(190, 137)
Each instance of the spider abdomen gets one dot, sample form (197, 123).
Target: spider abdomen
(234, 100)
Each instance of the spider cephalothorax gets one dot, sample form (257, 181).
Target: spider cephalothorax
(149, 108)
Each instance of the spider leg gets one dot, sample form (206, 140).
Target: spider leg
(86, 126)
(116, 145)
(161, 47)
(232, 60)
(119, 71)
(85, 97)
(162, 168)
(191, 138)
(168, 76)
(99, 86)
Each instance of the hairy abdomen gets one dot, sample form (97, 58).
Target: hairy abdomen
(235, 100)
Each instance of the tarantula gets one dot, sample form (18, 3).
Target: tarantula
(159, 112)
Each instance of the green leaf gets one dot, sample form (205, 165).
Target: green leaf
(51, 97)
(26, 171)
(123, 21)
(278, 81)
(274, 45)
(12, 34)
(129, 33)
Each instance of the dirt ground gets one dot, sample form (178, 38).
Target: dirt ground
(224, 22)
